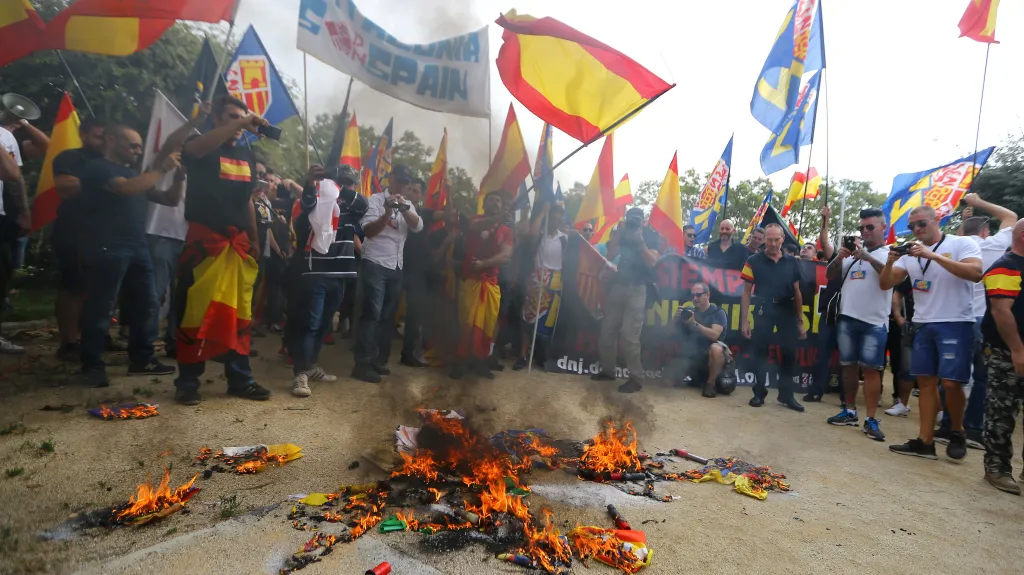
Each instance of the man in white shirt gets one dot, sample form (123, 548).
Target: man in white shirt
(942, 270)
(388, 221)
(993, 247)
(9, 234)
(863, 323)
(545, 278)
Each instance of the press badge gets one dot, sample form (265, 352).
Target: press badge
(923, 285)
(858, 275)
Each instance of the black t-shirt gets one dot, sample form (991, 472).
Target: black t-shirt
(282, 230)
(906, 289)
(632, 269)
(714, 315)
(417, 246)
(1002, 281)
(732, 258)
(771, 279)
(832, 287)
(220, 187)
(111, 219)
(72, 163)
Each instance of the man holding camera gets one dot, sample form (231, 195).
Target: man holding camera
(779, 310)
(625, 303)
(942, 270)
(863, 321)
(703, 328)
(388, 221)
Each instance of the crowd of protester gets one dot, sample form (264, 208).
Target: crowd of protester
(211, 243)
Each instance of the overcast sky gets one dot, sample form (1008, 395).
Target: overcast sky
(902, 90)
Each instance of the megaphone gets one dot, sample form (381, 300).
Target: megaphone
(17, 107)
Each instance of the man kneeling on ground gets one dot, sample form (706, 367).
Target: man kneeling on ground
(703, 328)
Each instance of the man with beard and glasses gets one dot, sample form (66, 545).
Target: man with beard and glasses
(774, 280)
(862, 326)
(726, 251)
(942, 270)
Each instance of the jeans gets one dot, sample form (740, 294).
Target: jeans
(165, 253)
(415, 313)
(274, 269)
(311, 307)
(827, 342)
(18, 253)
(130, 269)
(974, 415)
(625, 309)
(236, 369)
(382, 290)
(861, 343)
(944, 350)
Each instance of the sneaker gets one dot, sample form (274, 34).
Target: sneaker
(329, 338)
(300, 386)
(318, 374)
(957, 447)
(187, 395)
(95, 378)
(69, 352)
(10, 348)
(916, 392)
(254, 391)
(413, 361)
(520, 364)
(601, 376)
(975, 440)
(812, 398)
(941, 435)
(381, 368)
(898, 410)
(915, 447)
(872, 430)
(364, 372)
(154, 367)
(1002, 481)
(844, 417)
(631, 386)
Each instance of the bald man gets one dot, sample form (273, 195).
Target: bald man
(727, 252)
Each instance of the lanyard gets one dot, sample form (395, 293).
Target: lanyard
(924, 269)
(860, 263)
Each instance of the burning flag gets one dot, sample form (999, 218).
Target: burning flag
(150, 503)
(747, 478)
(249, 459)
(126, 411)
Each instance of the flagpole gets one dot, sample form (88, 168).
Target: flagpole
(81, 92)
(211, 87)
(828, 129)
(540, 293)
(305, 108)
(807, 174)
(981, 104)
(342, 125)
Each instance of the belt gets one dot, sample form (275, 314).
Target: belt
(776, 301)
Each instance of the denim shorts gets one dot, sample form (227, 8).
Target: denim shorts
(945, 350)
(861, 343)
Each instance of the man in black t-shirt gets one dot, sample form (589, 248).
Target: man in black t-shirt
(703, 327)
(415, 279)
(65, 237)
(116, 257)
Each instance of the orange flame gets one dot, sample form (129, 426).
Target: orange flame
(148, 500)
(590, 542)
(612, 450)
(546, 546)
(139, 411)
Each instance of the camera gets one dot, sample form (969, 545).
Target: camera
(850, 243)
(269, 131)
(902, 249)
(685, 314)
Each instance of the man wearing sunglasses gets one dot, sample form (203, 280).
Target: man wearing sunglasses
(693, 251)
(942, 270)
(863, 322)
(703, 328)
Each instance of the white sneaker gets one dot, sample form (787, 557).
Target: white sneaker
(300, 388)
(318, 374)
(898, 410)
(10, 348)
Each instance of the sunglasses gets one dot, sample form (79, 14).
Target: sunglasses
(587, 230)
(691, 236)
(697, 294)
(867, 228)
(920, 224)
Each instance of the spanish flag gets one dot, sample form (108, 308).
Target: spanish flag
(1002, 282)
(979, 21)
(437, 187)
(574, 82)
(195, 10)
(603, 226)
(351, 151)
(758, 215)
(599, 200)
(64, 137)
(510, 164)
(667, 214)
(20, 30)
(803, 186)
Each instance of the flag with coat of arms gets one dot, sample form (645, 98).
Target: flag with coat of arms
(252, 78)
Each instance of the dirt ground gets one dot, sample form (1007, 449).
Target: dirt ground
(854, 507)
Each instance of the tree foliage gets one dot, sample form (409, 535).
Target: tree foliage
(1002, 180)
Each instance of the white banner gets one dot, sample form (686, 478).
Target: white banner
(449, 75)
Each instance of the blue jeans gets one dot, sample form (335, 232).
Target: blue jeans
(236, 369)
(107, 270)
(18, 253)
(382, 290)
(943, 350)
(861, 343)
(974, 415)
(310, 314)
(827, 341)
(165, 253)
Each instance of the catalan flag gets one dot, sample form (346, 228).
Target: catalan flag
(64, 137)
(758, 215)
(599, 200)
(21, 30)
(1001, 281)
(803, 186)
(979, 21)
(437, 187)
(351, 150)
(574, 82)
(377, 174)
(712, 198)
(667, 214)
(510, 164)
(796, 129)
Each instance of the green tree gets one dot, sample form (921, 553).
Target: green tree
(574, 199)
(1002, 180)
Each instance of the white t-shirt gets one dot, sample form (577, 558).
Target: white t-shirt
(862, 298)
(9, 146)
(940, 296)
(167, 221)
(992, 248)
(549, 254)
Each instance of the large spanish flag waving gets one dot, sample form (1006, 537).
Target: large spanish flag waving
(574, 82)
(64, 137)
(20, 30)
(510, 164)
(979, 21)
(437, 187)
(351, 150)
(599, 200)
(667, 214)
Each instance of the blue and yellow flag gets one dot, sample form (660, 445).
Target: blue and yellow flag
(941, 188)
(543, 175)
(252, 78)
(713, 197)
(376, 174)
(799, 47)
(797, 129)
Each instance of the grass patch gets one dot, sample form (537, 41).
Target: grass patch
(15, 471)
(171, 531)
(32, 304)
(229, 506)
(16, 428)
(48, 446)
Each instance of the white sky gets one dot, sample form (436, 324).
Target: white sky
(902, 89)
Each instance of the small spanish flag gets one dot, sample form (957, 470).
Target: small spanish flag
(63, 137)
(351, 151)
(979, 21)
(667, 214)
(1002, 282)
(747, 274)
(803, 186)
(235, 170)
(437, 187)
(599, 199)
(510, 164)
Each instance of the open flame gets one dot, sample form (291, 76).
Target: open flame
(612, 450)
(151, 502)
(549, 550)
(138, 411)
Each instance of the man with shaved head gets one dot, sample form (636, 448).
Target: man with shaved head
(726, 251)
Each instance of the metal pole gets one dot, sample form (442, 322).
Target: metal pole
(977, 132)
(540, 293)
(305, 106)
(212, 85)
(828, 128)
(74, 80)
(842, 214)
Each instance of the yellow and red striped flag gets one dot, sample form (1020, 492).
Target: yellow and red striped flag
(979, 21)
(64, 137)
(437, 187)
(603, 226)
(599, 200)
(21, 30)
(510, 164)
(667, 214)
(1002, 281)
(351, 150)
(802, 186)
(568, 79)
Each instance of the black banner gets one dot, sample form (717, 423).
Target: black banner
(574, 347)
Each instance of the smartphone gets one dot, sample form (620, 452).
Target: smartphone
(850, 243)
(269, 131)
(902, 249)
